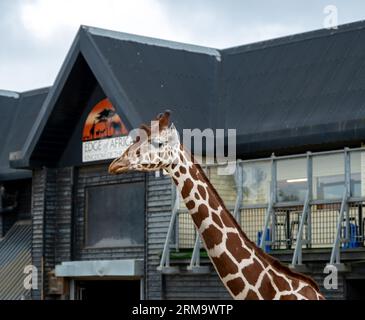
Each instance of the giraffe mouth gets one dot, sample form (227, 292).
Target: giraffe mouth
(118, 166)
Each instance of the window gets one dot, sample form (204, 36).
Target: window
(356, 159)
(328, 176)
(256, 182)
(115, 215)
(291, 180)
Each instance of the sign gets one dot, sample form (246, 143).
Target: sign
(104, 135)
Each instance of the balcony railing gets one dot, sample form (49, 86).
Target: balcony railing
(318, 204)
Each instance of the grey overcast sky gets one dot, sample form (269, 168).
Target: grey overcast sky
(36, 34)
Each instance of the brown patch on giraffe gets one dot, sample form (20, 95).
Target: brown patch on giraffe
(182, 170)
(227, 219)
(236, 285)
(188, 185)
(202, 191)
(308, 292)
(217, 220)
(197, 197)
(202, 214)
(280, 282)
(252, 272)
(190, 205)
(251, 295)
(224, 265)
(212, 236)
(289, 297)
(177, 174)
(194, 172)
(213, 202)
(266, 289)
(234, 246)
(181, 157)
(175, 180)
(173, 166)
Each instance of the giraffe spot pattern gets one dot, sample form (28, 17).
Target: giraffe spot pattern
(213, 203)
(200, 215)
(251, 295)
(266, 289)
(227, 219)
(289, 297)
(181, 157)
(188, 185)
(280, 282)
(212, 236)
(253, 272)
(202, 191)
(308, 292)
(194, 173)
(224, 265)
(236, 285)
(190, 205)
(216, 219)
(234, 246)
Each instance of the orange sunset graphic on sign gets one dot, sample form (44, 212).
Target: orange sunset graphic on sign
(103, 122)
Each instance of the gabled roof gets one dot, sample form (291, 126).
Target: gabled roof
(302, 91)
(18, 112)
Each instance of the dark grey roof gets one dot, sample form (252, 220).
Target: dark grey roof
(298, 90)
(302, 91)
(15, 255)
(18, 113)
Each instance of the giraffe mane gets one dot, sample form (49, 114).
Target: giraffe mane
(270, 259)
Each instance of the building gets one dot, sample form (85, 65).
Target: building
(297, 104)
(18, 112)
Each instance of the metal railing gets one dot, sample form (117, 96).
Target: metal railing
(335, 223)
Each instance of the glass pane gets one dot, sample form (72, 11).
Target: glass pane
(225, 186)
(357, 160)
(291, 179)
(256, 182)
(328, 176)
(109, 221)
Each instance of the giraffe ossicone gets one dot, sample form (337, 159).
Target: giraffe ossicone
(245, 270)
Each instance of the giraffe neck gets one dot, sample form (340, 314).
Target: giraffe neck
(244, 269)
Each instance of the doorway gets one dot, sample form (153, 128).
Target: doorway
(355, 289)
(107, 290)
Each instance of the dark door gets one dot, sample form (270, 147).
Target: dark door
(108, 290)
(355, 289)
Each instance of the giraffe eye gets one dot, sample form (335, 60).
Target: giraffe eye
(157, 144)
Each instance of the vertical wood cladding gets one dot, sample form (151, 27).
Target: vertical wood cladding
(38, 212)
(159, 206)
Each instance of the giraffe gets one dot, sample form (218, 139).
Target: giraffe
(245, 270)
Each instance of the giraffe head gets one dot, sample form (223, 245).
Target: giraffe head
(154, 148)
